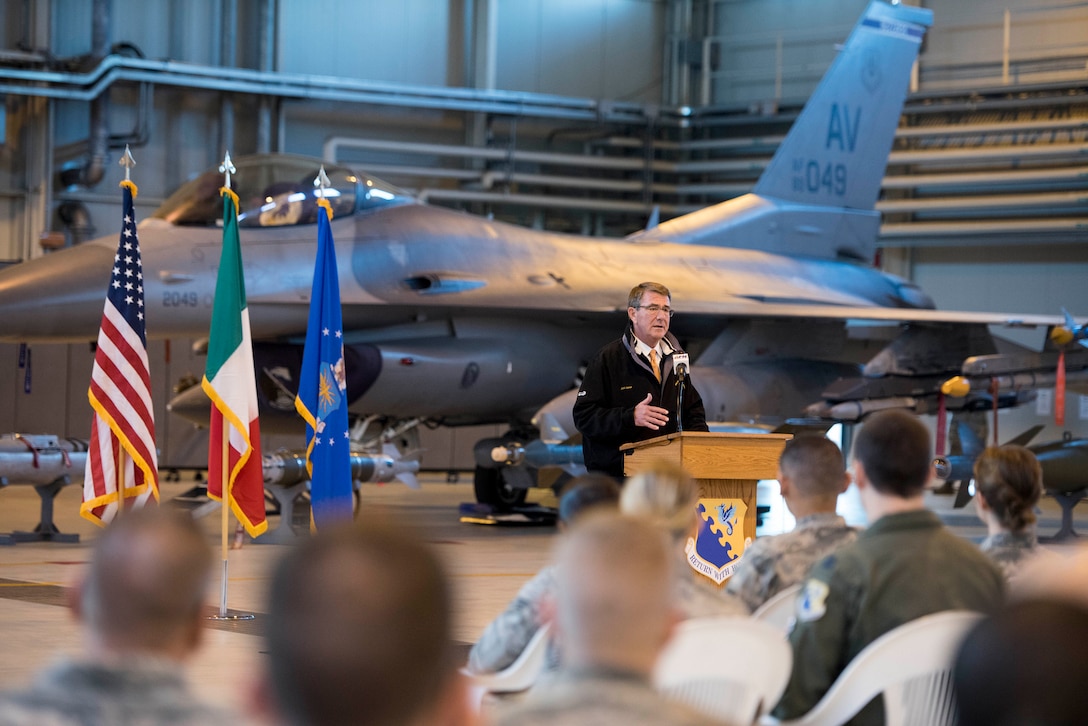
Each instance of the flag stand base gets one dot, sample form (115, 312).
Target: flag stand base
(231, 615)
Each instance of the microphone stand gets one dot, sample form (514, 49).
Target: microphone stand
(680, 376)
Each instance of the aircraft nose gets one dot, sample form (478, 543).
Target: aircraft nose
(56, 297)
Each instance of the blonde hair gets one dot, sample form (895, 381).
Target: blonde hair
(663, 493)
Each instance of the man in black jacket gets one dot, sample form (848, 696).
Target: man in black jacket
(631, 390)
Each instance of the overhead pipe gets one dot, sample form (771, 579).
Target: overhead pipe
(94, 166)
(87, 86)
(985, 229)
(332, 146)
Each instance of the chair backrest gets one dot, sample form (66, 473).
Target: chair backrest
(729, 668)
(518, 676)
(911, 665)
(779, 609)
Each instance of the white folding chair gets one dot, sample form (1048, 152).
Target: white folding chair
(729, 668)
(779, 609)
(911, 665)
(518, 676)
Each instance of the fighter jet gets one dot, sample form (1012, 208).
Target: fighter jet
(454, 319)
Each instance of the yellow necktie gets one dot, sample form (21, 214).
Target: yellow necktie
(653, 364)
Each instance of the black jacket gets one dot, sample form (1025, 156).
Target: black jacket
(616, 380)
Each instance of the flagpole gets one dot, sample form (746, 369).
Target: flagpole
(229, 383)
(127, 162)
(224, 478)
(227, 168)
(120, 478)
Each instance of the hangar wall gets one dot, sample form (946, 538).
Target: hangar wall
(770, 49)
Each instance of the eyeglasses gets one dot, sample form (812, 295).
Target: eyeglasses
(655, 309)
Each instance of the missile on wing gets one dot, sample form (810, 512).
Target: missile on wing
(960, 386)
(40, 459)
(1071, 331)
(850, 411)
(536, 454)
(286, 468)
(954, 467)
(48, 463)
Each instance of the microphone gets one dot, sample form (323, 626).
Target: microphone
(680, 365)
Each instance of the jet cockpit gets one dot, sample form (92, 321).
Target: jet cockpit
(275, 191)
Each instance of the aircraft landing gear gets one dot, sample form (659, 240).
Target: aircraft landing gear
(491, 489)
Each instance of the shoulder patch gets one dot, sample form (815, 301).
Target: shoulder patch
(813, 602)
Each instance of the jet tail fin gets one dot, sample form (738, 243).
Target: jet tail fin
(816, 198)
(836, 152)
(655, 217)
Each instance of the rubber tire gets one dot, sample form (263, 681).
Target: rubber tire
(491, 490)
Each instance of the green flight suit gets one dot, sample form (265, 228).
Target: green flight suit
(902, 567)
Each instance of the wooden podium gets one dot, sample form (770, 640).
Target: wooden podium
(726, 467)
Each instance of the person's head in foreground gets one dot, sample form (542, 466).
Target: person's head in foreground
(613, 608)
(892, 461)
(359, 632)
(664, 494)
(144, 590)
(586, 493)
(1008, 482)
(811, 474)
(1027, 664)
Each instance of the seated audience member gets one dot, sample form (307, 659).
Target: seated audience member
(1008, 484)
(1027, 664)
(668, 496)
(812, 476)
(358, 632)
(507, 635)
(140, 605)
(905, 565)
(612, 615)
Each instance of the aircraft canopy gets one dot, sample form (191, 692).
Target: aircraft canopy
(276, 190)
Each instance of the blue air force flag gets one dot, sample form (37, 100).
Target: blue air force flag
(322, 389)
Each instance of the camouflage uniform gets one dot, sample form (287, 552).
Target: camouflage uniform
(771, 564)
(507, 635)
(140, 690)
(598, 697)
(902, 567)
(1011, 549)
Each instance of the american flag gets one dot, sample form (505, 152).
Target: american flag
(123, 427)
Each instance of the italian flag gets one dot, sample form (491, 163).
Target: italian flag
(230, 383)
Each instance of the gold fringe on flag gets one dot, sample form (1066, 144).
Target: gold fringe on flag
(323, 202)
(227, 192)
(131, 186)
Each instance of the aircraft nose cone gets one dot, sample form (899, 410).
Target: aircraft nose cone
(56, 297)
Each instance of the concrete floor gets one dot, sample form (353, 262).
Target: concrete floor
(487, 563)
